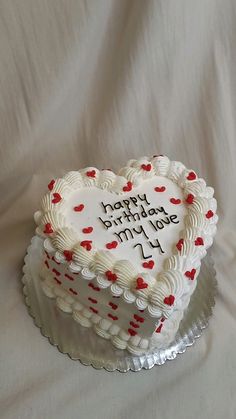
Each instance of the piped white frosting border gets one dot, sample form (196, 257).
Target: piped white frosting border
(94, 263)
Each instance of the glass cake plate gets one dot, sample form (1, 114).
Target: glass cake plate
(83, 344)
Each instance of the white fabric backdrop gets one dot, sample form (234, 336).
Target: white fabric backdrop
(94, 83)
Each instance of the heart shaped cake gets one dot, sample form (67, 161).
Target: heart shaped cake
(122, 253)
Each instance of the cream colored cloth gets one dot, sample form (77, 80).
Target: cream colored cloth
(95, 83)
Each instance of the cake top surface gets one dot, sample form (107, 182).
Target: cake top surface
(140, 231)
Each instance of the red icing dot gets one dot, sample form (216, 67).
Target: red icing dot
(209, 214)
(46, 263)
(48, 229)
(69, 277)
(57, 280)
(138, 318)
(112, 305)
(135, 325)
(93, 310)
(73, 291)
(56, 272)
(158, 329)
(180, 244)
(112, 317)
(92, 300)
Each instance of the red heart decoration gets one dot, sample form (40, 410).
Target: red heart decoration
(56, 198)
(191, 176)
(86, 244)
(169, 300)
(68, 255)
(112, 245)
(209, 214)
(160, 188)
(175, 201)
(180, 244)
(141, 284)
(87, 230)
(112, 317)
(112, 305)
(146, 167)
(190, 198)
(199, 241)
(91, 173)
(48, 229)
(132, 332)
(190, 274)
(111, 276)
(79, 208)
(149, 264)
(138, 318)
(158, 329)
(51, 184)
(135, 325)
(128, 187)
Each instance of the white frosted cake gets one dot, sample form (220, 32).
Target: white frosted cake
(122, 253)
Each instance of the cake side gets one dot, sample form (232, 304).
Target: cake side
(161, 299)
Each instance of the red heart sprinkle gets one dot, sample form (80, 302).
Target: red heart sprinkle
(87, 230)
(146, 167)
(175, 201)
(163, 319)
(169, 300)
(180, 244)
(93, 310)
(149, 264)
(112, 245)
(112, 305)
(158, 329)
(112, 317)
(141, 284)
(190, 198)
(132, 332)
(199, 241)
(86, 244)
(48, 229)
(51, 184)
(209, 214)
(160, 188)
(138, 318)
(135, 325)
(111, 276)
(56, 198)
(191, 176)
(128, 187)
(91, 173)
(68, 255)
(190, 274)
(79, 208)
